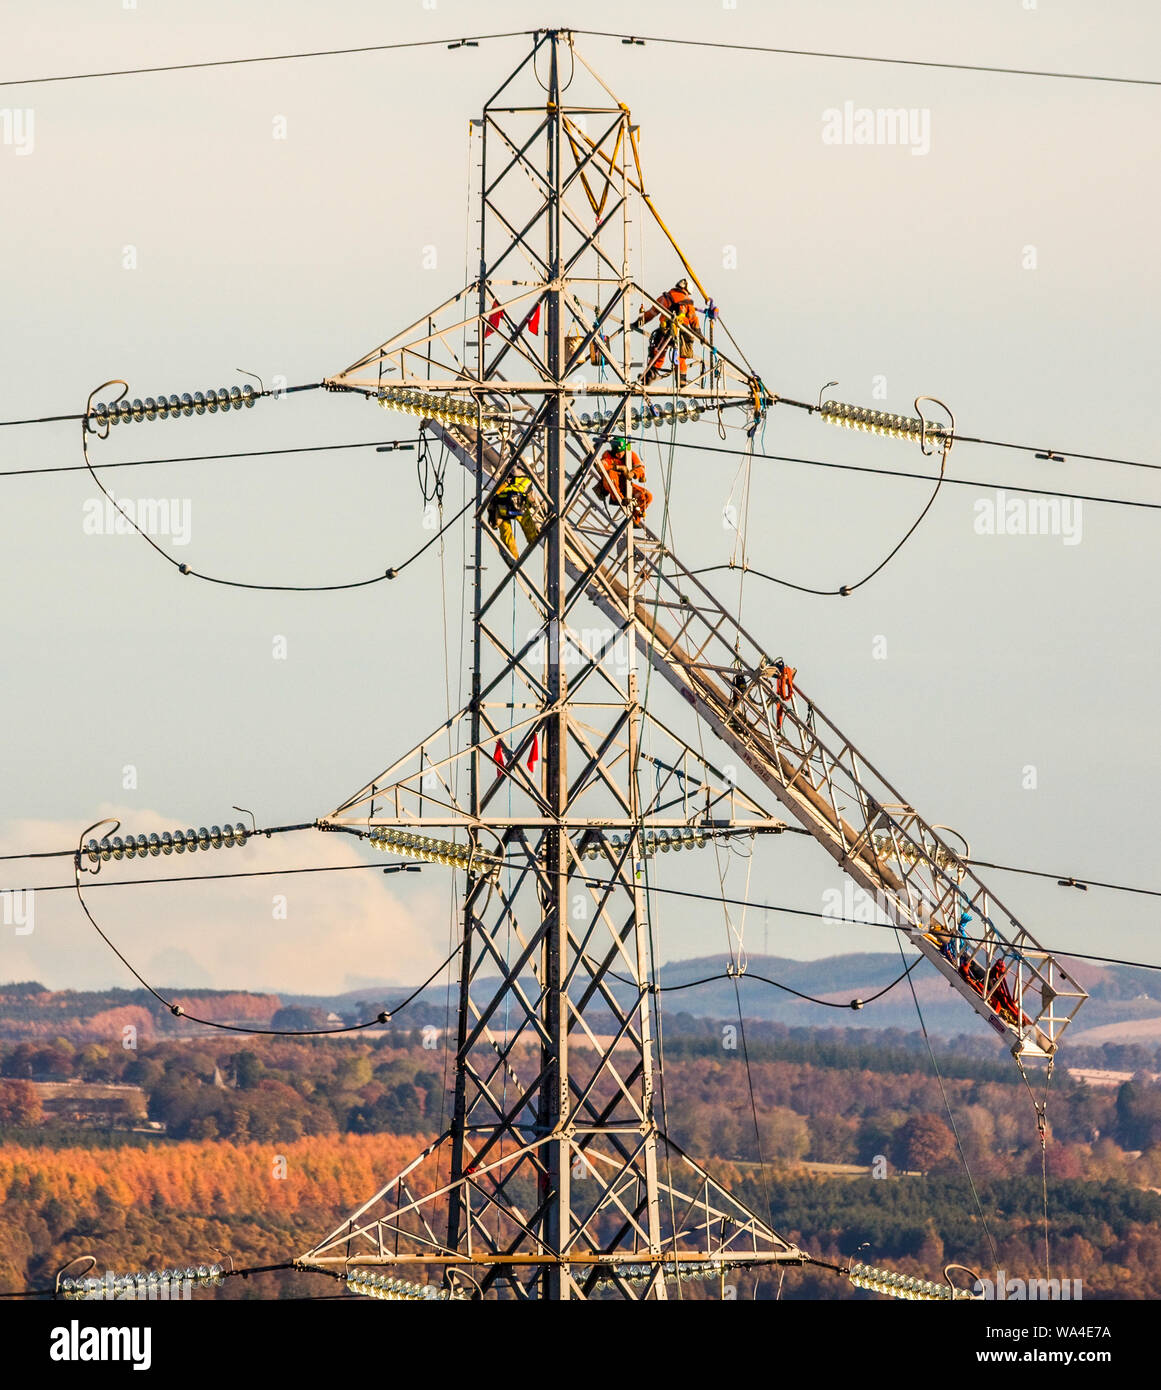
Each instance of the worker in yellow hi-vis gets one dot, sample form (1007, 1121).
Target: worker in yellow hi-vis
(512, 502)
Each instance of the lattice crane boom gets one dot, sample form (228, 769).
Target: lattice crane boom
(917, 879)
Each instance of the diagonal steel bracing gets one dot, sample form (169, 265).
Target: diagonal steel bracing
(554, 1179)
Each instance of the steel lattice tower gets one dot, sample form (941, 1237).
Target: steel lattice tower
(558, 1179)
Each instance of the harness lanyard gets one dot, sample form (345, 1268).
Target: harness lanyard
(710, 311)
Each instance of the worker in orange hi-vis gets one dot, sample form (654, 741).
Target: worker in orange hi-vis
(622, 477)
(675, 333)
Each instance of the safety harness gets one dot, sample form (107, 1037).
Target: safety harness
(510, 500)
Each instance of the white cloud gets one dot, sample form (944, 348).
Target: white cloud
(223, 933)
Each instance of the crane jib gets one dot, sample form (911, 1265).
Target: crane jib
(913, 875)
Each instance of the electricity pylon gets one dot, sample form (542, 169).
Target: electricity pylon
(556, 1178)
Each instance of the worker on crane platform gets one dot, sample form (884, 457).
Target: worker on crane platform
(512, 501)
(622, 478)
(675, 333)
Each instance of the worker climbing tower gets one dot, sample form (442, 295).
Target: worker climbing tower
(557, 786)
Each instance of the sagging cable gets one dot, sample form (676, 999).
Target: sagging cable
(383, 1017)
(91, 425)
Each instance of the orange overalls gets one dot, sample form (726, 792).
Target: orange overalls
(678, 323)
(623, 479)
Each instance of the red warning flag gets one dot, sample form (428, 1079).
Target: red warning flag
(495, 319)
(498, 758)
(534, 320)
(534, 753)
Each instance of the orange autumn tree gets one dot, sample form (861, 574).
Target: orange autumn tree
(322, 1172)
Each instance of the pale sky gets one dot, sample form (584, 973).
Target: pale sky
(1010, 269)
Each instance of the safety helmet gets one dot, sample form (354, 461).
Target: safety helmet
(620, 444)
(683, 284)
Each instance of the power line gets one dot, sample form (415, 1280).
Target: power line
(597, 883)
(1041, 451)
(80, 415)
(680, 443)
(852, 921)
(205, 878)
(867, 58)
(41, 420)
(594, 883)
(266, 831)
(922, 477)
(38, 854)
(401, 444)
(1054, 455)
(1066, 880)
(1044, 452)
(473, 41)
(470, 42)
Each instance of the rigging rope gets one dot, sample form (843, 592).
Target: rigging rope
(844, 590)
(666, 483)
(1041, 1109)
(950, 1115)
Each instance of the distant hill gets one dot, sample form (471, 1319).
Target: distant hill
(1123, 1006)
(29, 1011)
(1125, 1003)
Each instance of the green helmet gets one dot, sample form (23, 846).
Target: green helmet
(620, 444)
